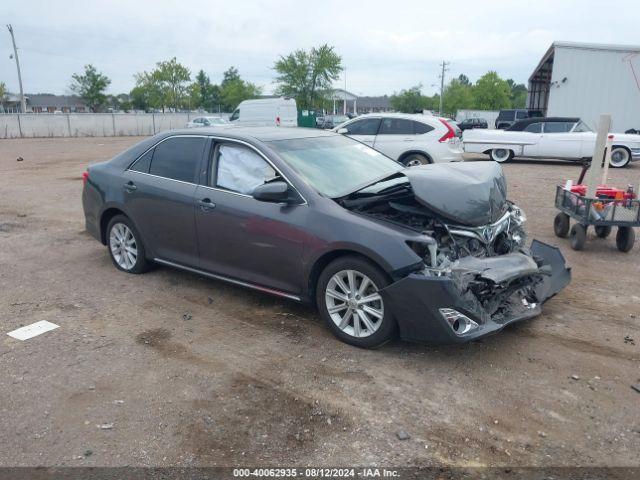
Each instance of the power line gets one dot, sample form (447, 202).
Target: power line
(23, 103)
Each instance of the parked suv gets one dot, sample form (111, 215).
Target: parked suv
(412, 139)
(506, 118)
(470, 123)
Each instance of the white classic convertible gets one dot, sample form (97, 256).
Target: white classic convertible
(553, 137)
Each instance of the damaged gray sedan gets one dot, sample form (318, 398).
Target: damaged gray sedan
(435, 253)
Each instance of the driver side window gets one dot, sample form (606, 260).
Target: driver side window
(235, 115)
(240, 169)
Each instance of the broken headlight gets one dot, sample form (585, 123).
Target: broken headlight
(518, 215)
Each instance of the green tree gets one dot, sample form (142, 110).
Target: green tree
(172, 77)
(234, 90)
(3, 94)
(491, 92)
(147, 94)
(411, 100)
(202, 88)
(458, 94)
(464, 80)
(165, 86)
(308, 76)
(204, 94)
(90, 86)
(518, 94)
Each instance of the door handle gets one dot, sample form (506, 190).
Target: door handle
(130, 186)
(206, 204)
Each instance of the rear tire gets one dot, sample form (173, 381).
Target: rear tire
(344, 287)
(620, 157)
(125, 246)
(603, 231)
(415, 159)
(501, 155)
(578, 236)
(561, 225)
(625, 238)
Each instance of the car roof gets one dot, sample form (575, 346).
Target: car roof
(418, 117)
(521, 124)
(263, 134)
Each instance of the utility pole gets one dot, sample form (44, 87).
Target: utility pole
(444, 66)
(23, 103)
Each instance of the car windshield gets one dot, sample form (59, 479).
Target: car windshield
(335, 166)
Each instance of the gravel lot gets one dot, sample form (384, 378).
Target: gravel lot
(169, 368)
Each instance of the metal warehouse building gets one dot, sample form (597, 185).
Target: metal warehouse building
(585, 80)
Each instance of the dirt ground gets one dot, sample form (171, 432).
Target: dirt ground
(168, 368)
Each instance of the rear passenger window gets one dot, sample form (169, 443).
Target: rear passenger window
(534, 128)
(557, 127)
(396, 126)
(521, 115)
(419, 128)
(143, 163)
(178, 158)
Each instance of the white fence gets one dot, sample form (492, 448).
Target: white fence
(33, 125)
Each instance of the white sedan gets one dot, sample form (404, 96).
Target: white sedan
(412, 139)
(207, 122)
(553, 137)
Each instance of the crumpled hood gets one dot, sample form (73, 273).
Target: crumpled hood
(470, 193)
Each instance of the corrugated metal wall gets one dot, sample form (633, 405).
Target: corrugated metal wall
(597, 81)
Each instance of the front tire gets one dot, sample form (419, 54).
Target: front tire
(501, 155)
(348, 300)
(561, 225)
(125, 246)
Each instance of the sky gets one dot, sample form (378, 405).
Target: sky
(385, 45)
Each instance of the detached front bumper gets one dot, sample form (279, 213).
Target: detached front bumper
(418, 300)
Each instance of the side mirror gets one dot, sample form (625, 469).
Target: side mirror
(342, 131)
(271, 192)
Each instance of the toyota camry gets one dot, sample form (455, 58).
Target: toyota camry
(434, 253)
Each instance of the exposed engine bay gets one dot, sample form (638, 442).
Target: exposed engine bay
(471, 234)
(451, 234)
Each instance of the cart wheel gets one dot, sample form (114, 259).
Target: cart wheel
(561, 225)
(625, 238)
(578, 236)
(603, 231)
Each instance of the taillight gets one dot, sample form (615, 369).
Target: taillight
(85, 177)
(277, 121)
(451, 133)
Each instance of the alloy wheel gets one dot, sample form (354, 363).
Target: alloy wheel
(123, 246)
(354, 304)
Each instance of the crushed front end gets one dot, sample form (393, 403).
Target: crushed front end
(476, 297)
(476, 275)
